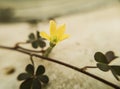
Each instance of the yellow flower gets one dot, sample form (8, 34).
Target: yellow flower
(56, 34)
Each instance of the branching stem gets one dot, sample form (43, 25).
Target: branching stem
(64, 64)
(29, 50)
(86, 67)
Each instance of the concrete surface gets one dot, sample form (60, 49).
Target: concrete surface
(89, 32)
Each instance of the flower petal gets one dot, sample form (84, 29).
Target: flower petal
(45, 35)
(52, 27)
(65, 36)
(60, 31)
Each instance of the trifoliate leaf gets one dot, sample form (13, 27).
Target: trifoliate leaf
(41, 43)
(103, 67)
(23, 76)
(100, 57)
(26, 84)
(40, 70)
(30, 69)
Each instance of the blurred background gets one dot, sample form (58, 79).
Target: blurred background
(41, 10)
(93, 25)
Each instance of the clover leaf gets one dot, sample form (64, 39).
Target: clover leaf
(110, 56)
(115, 69)
(36, 40)
(100, 57)
(33, 80)
(103, 67)
(103, 61)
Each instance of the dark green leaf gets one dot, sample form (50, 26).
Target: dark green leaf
(44, 79)
(41, 43)
(38, 34)
(35, 44)
(115, 75)
(116, 69)
(23, 76)
(40, 70)
(110, 56)
(26, 84)
(32, 36)
(103, 67)
(30, 69)
(100, 57)
(36, 84)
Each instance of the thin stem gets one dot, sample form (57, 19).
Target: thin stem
(41, 51)
(47, 52)
(86, 67)
(65, 64)
(31, 59)
(18, 46)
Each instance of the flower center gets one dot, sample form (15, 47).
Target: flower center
(54, 39)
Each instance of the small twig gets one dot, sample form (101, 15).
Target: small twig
(86, 67)
(64, 64)
(17, 45)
